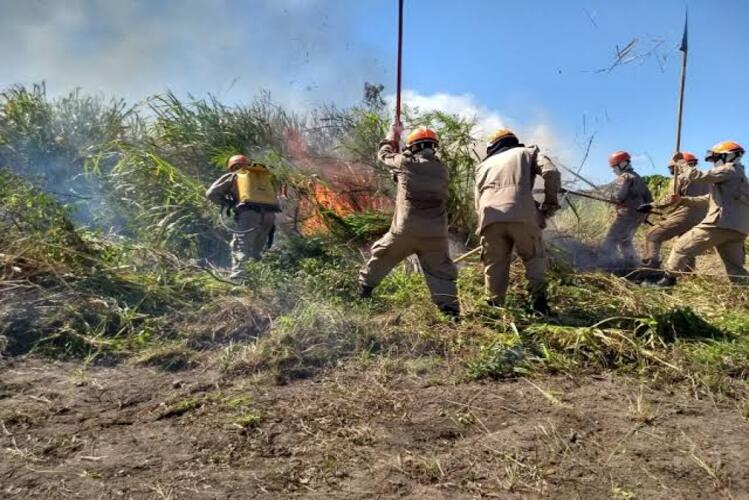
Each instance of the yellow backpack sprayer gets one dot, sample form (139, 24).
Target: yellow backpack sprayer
(253, 190)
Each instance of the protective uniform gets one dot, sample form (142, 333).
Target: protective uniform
(630, 192)
(509, 217)
(419, 225)
(676, 222)
(726, 225)
(254, 225)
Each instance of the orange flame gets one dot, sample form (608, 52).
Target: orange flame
(349, 188)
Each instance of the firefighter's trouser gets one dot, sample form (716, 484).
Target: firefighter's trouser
(497, 243)
(728, 243)
(620, 237)
(434, 258)
(253, 230)
(672, 226)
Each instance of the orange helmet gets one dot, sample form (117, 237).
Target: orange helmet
(503, 133)
(722, 148)
(420, 135)
(689, 157)
(618, 157)
(237, 160)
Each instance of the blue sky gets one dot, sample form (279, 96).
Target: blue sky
(537, 60)
(530, 65)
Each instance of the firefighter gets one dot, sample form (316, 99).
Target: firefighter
(509, 217)
(246, 193)
(419, 224)
(630, 193)
(678, 220)
(726, 225)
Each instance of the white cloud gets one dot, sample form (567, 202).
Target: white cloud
(487, 120)
(462, 105)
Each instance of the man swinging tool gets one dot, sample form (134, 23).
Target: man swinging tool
(681, 218)
(246, 192)
(419, 223)
(726, 225)
(630, 193)
(420, 220)
(509, 217)
(677, 220)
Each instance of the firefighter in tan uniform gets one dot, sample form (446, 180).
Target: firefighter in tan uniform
(678, 220)
(247, 193)
(726, 225)
(419, 224)
(630, 193)
(509, 217)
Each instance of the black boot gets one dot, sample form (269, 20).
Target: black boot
(365, 292)
(452, 312)
(540, 304)
(494, 303)
(667, 281)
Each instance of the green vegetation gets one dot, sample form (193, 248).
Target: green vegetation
(139, 280)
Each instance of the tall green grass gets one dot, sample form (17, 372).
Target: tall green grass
(147, 291)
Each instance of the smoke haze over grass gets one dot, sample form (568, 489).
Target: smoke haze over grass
(296, 49)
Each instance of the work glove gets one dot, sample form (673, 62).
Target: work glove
(549, 209)
(678, 163)
(645, 208)
(544, 214)
(227, 204)
(394, 135)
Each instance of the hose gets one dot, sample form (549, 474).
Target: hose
(233, 231)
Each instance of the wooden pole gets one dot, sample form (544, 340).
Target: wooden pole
(680, 113)
(399, 64)
(681, 101)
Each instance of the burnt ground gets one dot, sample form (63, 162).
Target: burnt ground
(136, 432)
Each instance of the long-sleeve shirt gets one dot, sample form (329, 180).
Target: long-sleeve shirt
(630, 191)
(693, 213)
(728, 200)
(504, 187)
(421, 194)
(223, 186)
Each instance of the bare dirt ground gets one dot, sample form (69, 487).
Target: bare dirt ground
(135, 432)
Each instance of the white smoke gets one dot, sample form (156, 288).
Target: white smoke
(487, 120)
(297, 49)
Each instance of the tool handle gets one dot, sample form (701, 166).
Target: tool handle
(399, 59)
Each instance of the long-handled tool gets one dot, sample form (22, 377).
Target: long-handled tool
(683, 48)
(579, 177)
(604, 200)
(467, 254)
(591, 197)
(398, 63)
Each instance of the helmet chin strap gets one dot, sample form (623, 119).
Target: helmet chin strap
(732, 157)
(619, 169)
(723, 158)
(419, 147)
